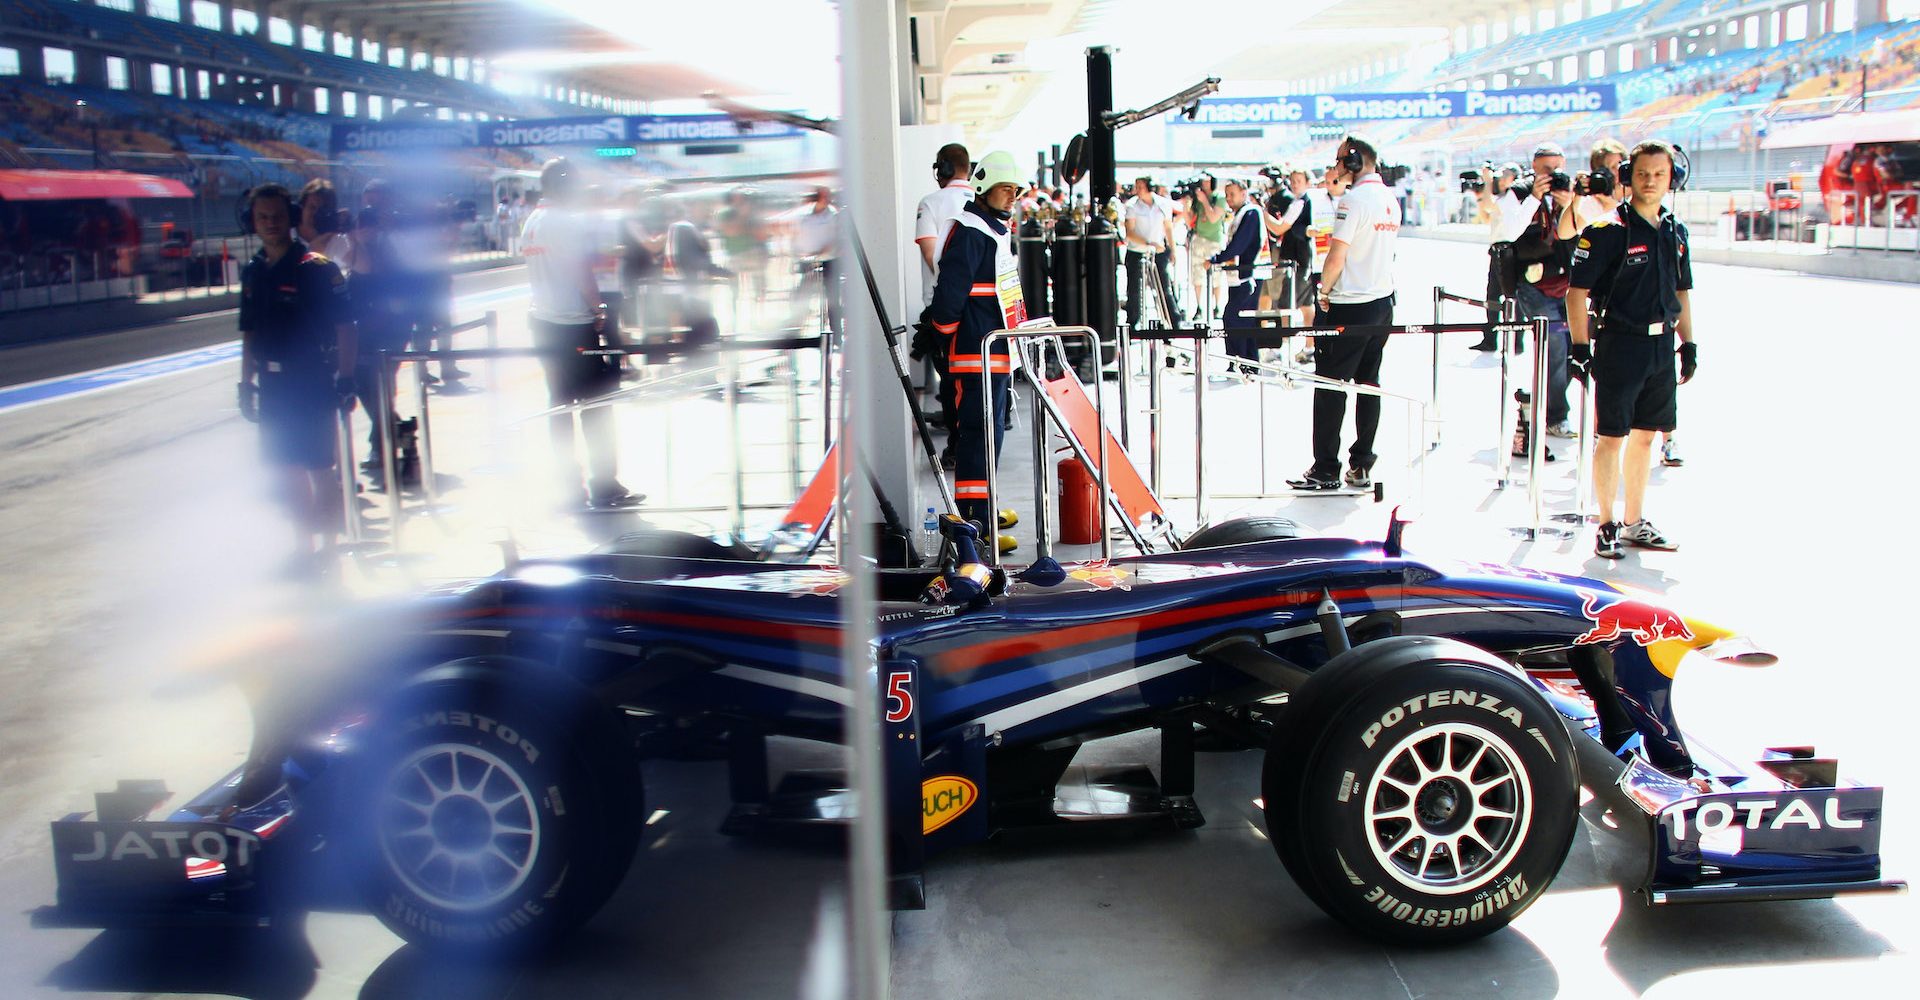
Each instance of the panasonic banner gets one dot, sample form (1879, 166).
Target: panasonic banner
(1425, 106)
(608, 130)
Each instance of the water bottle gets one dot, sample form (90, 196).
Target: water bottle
(930, 531)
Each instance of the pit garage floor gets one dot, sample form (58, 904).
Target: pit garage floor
(139, 553)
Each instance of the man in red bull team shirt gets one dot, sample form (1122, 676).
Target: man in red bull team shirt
(1634, 267)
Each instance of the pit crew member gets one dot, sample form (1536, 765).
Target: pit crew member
(1634, 266)
(1356, 289)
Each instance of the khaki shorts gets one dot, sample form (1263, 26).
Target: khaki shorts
(1199, 251)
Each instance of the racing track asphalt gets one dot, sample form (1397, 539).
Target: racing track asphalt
(137, 551)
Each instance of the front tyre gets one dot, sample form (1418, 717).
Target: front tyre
(486, 830)
(1429, 798)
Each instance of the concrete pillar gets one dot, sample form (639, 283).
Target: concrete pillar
(33, 63)
(226, 14)
(1867, 12)
(89, 67)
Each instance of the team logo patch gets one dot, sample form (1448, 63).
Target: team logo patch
(1584, 243)
(945, 799)
(1101, 576)
(1640, 621)
(1642, 248)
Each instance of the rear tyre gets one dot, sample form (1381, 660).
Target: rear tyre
(1243, 531)
(486, 826)
(1421, 793)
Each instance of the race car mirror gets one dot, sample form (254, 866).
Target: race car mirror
(1073, 163)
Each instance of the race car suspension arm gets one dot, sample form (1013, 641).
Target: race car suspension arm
(1244, 653)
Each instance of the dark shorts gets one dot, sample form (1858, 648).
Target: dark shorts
(298, 415)
(572, 377)
(1635, 382)
(1304, 287)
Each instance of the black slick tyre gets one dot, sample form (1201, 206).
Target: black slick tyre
(1420, 792)
(1243, 531)
(487, 829)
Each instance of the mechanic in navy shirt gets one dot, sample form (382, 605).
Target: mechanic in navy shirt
(296, 365)
(1634, 268)
(977, 293)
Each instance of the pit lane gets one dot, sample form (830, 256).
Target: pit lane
(136, 535)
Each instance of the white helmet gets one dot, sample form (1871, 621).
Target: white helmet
(996, 167)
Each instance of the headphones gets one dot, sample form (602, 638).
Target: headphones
(1680, 160)
(1351, 161)
(245, 210)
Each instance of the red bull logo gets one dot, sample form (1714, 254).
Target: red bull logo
(1645, 623)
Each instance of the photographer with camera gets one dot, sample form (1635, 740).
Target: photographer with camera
(1488, 185)
(1148, 226)
(1542, 259)
(1207, 223)
(1597, 188)
(1356, 290)
(1288, 216)
(1634, 266)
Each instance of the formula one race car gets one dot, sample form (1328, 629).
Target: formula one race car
(1419, 721)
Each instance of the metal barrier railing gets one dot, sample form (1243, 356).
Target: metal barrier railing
(1043, 412)
(727, 372)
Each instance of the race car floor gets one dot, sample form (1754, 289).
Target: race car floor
(142, 557)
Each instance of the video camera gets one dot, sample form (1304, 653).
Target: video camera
(1475, 181)
(1391, 175)
(1597, 182)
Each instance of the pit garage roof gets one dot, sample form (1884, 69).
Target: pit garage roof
(982, 60)
(496, 29)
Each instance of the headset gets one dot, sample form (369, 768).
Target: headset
(1352, 161)
(245, 210)
(1680, 160)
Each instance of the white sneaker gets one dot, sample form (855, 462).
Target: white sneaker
(1561, 430)
(1670, 454)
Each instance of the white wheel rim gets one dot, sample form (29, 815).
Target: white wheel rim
(458, 826)
(1447, 808)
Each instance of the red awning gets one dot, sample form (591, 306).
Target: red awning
(52, 185)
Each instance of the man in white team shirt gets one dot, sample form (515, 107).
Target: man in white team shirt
(938, 210)
(1356, 289)
(559, 245)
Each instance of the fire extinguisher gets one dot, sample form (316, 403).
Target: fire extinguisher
(1079, 503)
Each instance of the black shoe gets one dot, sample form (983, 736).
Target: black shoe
(947, 461)
(1314, 479)
(617, 499)
(1606, 543)
(1487, 344)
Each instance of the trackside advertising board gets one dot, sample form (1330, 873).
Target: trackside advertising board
(604, 130)
(1425, 106)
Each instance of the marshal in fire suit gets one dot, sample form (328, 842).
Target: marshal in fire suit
(978, 293)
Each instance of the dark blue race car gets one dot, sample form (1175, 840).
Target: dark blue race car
(1425, 727)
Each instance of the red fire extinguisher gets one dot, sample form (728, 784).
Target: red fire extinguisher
(1079, 504)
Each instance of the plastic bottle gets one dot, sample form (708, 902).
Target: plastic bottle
(930, 530)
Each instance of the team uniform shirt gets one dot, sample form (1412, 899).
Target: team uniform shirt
(290, 310)
(815, 233)
(559, 249)
(930, 224)
(1150, 219)
(1635, 269)
(1367, 220)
